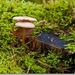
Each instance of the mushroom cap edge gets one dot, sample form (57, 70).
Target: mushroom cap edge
(25, 24)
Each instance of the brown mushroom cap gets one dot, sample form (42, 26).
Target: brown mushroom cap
(25, 24)
(24, 19)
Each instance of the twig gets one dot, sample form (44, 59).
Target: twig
(41, 23)
(43, 63)
(28, 69)
(49, 65)
(44, 2)
(33, 39)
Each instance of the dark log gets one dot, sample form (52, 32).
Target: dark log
(42, 44)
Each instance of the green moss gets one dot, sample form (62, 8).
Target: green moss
(58, 16)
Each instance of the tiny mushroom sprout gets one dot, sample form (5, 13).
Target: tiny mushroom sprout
(24, 23)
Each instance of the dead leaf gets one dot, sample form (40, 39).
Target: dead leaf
(18, 33)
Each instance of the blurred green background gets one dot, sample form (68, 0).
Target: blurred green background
(37, 1)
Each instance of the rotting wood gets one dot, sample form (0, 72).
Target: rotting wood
(38, 46)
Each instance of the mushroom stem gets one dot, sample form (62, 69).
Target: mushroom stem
(24, 36)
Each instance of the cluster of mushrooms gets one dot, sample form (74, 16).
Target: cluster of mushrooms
(25, 26)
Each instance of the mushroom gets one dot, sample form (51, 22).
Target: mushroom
(24, 19)
(24, 25)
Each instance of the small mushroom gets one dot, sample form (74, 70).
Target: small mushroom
(24, 25)
(24, 19)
